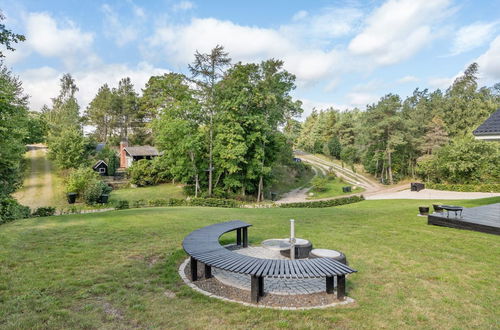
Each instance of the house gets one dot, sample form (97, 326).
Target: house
(490, 129)
(128, 155)
(101, 167)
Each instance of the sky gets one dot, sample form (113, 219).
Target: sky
(344, 54)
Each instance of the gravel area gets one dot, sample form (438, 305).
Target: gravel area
(429, 194)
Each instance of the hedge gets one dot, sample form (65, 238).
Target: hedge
(328, 203)
(480, 187)
(45, 211)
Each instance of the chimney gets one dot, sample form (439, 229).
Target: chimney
(123, 158)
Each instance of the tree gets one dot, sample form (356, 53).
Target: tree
(7, 37)
(100, 113)
(69, 150)
(207, 70)
(13, 131)
(435, 137)
(65, 111)
(177, 129)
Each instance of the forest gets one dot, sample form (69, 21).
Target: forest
(426, 135)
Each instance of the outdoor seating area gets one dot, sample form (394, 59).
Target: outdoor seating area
(484, 218)
(204, 248)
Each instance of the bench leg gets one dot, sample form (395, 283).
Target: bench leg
(341, 287)
(208, 271)
(329, 284)
(245, 237)
(257, 288)
(194, 269)
(238, 236)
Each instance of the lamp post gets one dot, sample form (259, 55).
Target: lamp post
(292, 239)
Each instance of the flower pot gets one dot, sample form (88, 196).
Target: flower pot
(346, 189)
(72, 198)
(424, 210)
(104, 198)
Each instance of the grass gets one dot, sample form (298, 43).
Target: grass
(166, 190)
(111, 270)
(333, 189)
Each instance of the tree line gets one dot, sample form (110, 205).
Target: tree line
(426, 135)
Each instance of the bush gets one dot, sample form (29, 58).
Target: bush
(214, 202)
(10, 210)
(45, 211)
(138, 203)
(80, 179)
(319, 183)
(121, 205)
(148, 172)
(481, 187)
(328, 203)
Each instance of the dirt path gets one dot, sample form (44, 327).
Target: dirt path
(37, 188)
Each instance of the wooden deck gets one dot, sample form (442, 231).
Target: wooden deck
(484, 218)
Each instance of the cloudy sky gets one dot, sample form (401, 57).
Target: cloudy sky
(344, 53)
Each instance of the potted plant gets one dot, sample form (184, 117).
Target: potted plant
(424, 210)
(72, 197)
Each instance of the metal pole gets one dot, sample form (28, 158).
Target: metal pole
(292, 239)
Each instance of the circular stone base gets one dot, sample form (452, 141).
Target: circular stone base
(288, 294)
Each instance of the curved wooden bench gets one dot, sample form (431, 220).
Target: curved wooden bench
(203, 246)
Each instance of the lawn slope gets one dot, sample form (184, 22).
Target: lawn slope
(119, 269)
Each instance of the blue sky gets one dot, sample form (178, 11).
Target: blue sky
(344, 53)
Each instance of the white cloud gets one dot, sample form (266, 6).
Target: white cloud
(361, 99)
(244, 43)
(408, 79)
(472, 36)
(122, 32)
(183, 5)
(43, 83)
(44, 36)
(489, 62)
(398, 29)
(442, 82)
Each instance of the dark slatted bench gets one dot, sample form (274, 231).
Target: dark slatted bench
(203, 246)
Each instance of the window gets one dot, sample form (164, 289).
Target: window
(102, 170)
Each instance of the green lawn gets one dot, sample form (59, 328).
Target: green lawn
(166, 190)
(111, 270)
(334, 189)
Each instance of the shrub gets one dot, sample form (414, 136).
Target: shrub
(138, 203)
(319, 183)
(328, 203)
(148, 172)
(44, 211)
(80, 179)
(481, 187)
(10, 210)
(214, 202)
(121, 205)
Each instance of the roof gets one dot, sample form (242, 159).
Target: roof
(100, 146)
(491, 126)
(142, 151)
(99, 163)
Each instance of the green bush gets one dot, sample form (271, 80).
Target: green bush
(44, 211)
(148, 172)
(138, 203)
(10, 210)
(121, 205)
(319, 183)
(80, 179)
(214, 202)
(480, 187)
(328, 203)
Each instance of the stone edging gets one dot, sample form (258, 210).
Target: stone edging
(206, 293)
